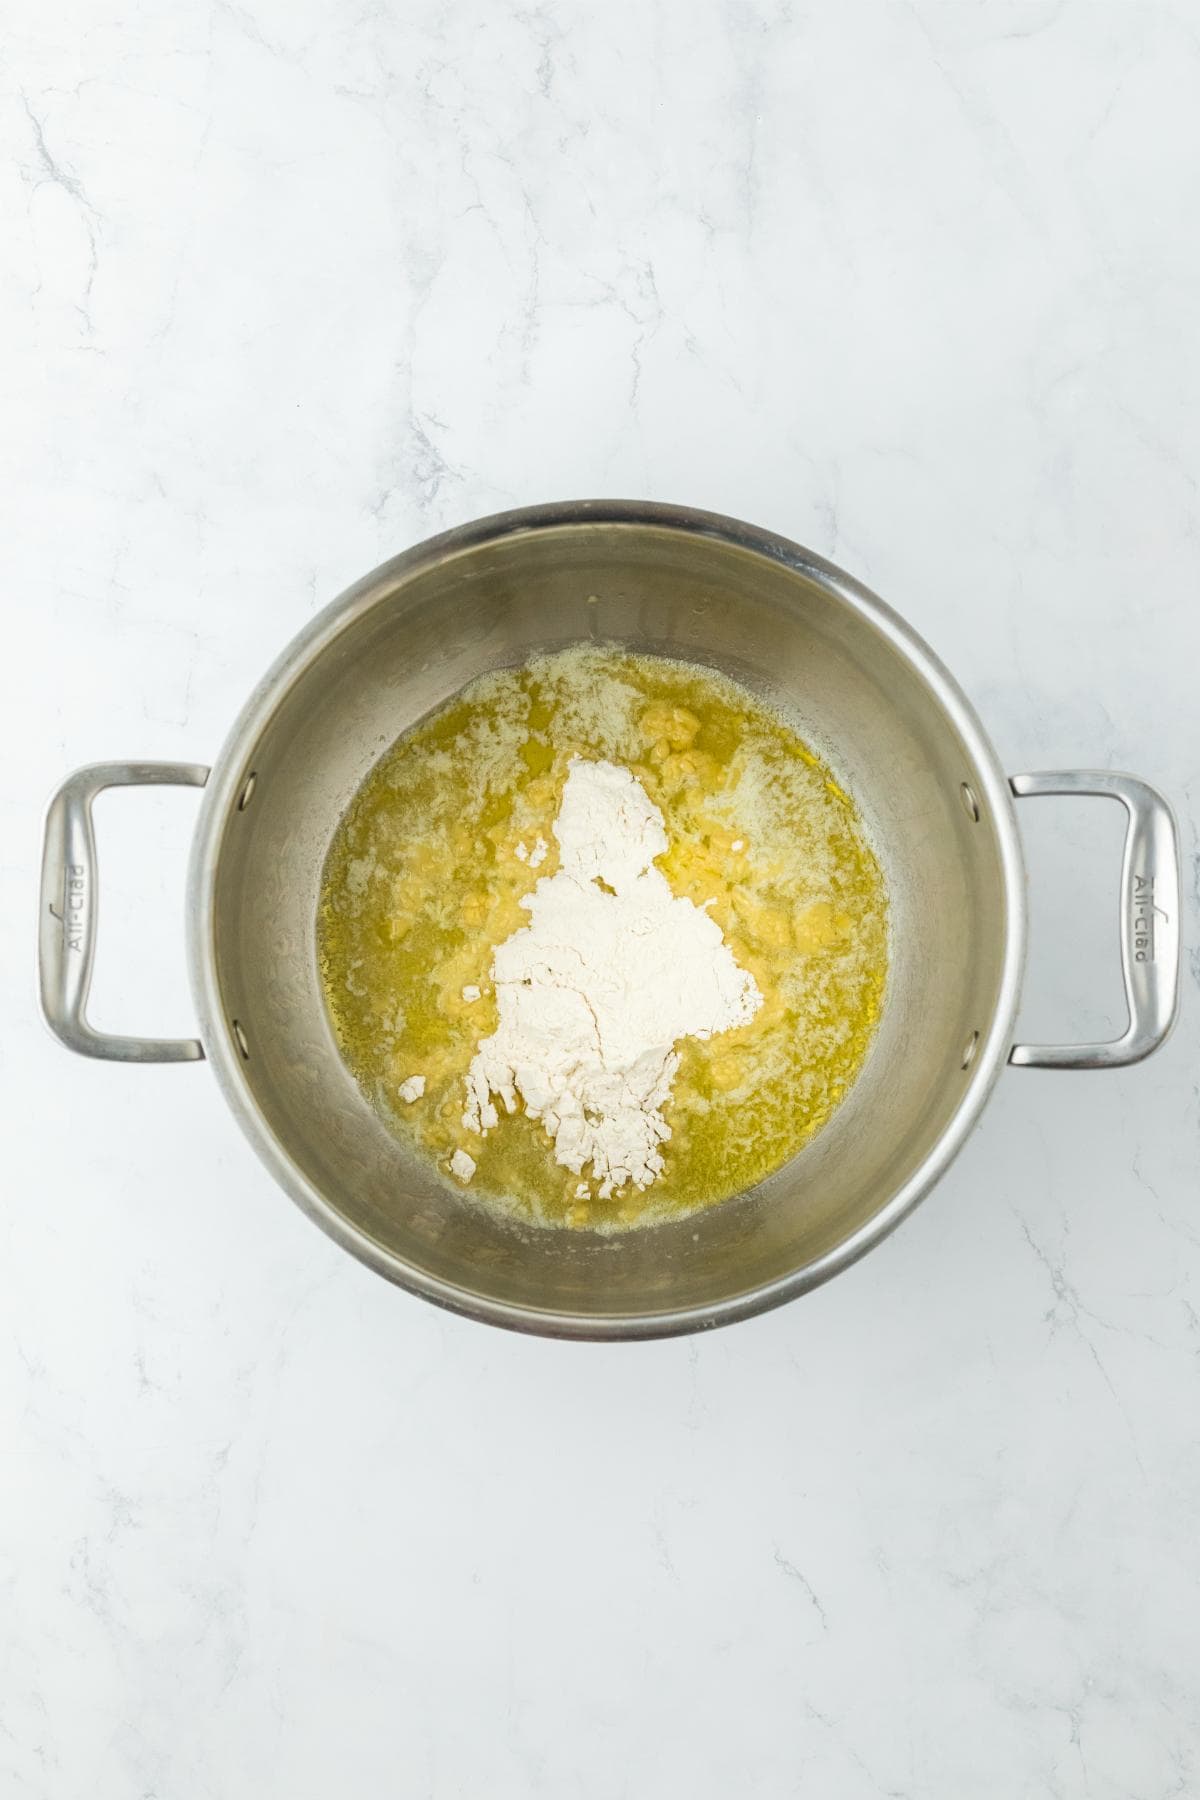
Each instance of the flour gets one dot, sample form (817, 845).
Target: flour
(412, 1089)
(594, 993)
(535, 857)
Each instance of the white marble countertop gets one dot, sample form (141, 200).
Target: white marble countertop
(287, 287)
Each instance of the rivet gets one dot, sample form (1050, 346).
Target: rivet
(240, 1035)
(972, 1046)
(966, 794)
(247, 793)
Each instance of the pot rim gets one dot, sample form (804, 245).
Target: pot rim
(232, 767)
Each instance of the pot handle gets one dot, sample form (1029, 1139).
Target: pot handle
(67, 930)
(1148, 919)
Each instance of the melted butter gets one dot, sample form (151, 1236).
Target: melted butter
(424, 879)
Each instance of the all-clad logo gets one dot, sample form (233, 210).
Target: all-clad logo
(1144, 910)
(74, 902)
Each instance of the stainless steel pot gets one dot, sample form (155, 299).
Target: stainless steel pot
(659, 579)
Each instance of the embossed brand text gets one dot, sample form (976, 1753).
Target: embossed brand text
(74, 901)
(1144, 910)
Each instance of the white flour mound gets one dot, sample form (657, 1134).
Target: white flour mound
(594, 993)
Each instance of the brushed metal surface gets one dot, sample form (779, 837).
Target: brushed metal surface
(1148, 919)
(69, 907)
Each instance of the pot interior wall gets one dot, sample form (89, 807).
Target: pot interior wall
(418, 633)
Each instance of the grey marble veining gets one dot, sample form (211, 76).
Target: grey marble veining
(287, 287)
